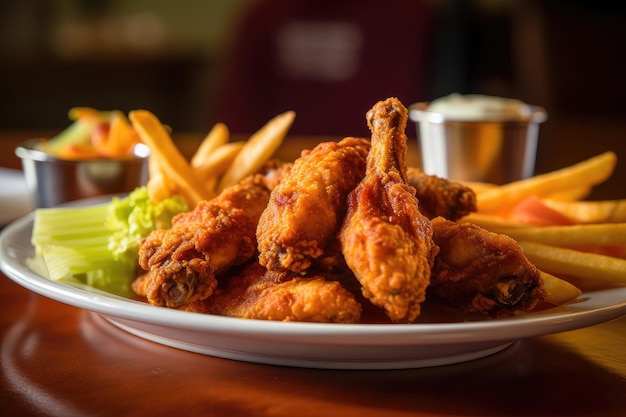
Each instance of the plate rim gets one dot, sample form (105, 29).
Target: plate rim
(22, 199)
(489, 330)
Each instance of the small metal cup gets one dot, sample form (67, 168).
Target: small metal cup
(494, 151)
(52, 180)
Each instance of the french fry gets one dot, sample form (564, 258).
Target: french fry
(607, 211)
(173, 163)
(571, 194)
(217, 136)
(479, 187)
(159, 187)
(586, 173)
(216, 163)
(491, 222)
(154, 168)
(592, 269)
(559, 291)
(571, 236)
(258, 149)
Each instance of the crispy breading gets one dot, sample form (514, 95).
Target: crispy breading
(256, 293)
(385, 239)
(307, 207)
(480, 271)
(182, 261)
(441, 197)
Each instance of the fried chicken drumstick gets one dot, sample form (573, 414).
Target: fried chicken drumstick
(480, 271)
(307, 207)
(385, 239)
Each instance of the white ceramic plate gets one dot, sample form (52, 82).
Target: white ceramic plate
(337, 346)
(14, 197)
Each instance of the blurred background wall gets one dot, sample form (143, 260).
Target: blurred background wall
(177, 58)
(156, 54)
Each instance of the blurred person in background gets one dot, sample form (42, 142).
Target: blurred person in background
(327, 60)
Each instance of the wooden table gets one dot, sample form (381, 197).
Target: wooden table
(63, 361)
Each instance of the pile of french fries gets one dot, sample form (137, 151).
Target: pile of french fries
(217, 163)
(586, 249)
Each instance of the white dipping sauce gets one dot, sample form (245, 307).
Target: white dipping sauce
(479, 107)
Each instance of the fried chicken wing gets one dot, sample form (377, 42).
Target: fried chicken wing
(307, 207)
(182, 261)
(385, 239)
(441, 197)
(480, 271)
(256, 293)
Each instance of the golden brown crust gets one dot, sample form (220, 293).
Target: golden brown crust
(480, 271)
(256, 293)
(385, 239)
(306, 209)
(182, 261)
(441, 197)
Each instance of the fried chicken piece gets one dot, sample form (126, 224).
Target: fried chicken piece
(480, 271)
(274, 171)
(385, 239)
(182, 261)
(307, 207)
(441, 197)
(257, 293)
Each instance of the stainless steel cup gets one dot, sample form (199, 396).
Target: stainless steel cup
(494, 151)
(52, 181)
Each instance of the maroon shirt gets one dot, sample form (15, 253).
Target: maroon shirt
(329, 61)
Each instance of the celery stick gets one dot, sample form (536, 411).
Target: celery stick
(70, 226)
(62, 261)
(73, 242)
(98, 245)
(78, 132)
(94, 267)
